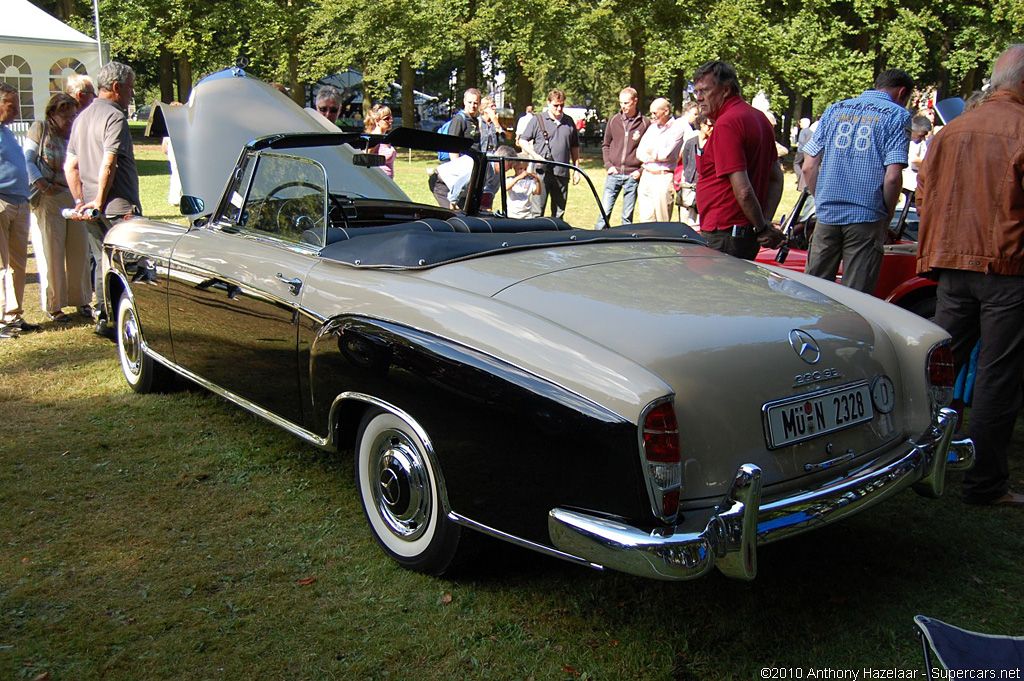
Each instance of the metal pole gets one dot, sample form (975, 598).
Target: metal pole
(96, 17)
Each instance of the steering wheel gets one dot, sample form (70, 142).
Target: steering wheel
(282, 222)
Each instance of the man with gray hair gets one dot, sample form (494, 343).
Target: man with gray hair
(970, 195)
(739, 181)
(328, 103)
(100, 166)
(81, 88)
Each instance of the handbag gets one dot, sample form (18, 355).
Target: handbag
(45, 171)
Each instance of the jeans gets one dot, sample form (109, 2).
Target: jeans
(613, 184)
(989, 307)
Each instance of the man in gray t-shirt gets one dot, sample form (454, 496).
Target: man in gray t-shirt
(100, 164)
(100, 167)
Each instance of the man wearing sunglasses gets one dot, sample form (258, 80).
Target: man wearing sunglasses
(552, 136)
(328, 103)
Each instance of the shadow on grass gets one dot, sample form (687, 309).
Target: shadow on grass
(205, 487)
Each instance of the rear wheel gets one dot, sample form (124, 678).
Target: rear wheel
(142, 373)
(400, 494)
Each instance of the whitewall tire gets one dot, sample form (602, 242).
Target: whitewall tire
(140, 371)
(400, 493)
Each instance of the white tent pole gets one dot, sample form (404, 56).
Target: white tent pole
(96, 16)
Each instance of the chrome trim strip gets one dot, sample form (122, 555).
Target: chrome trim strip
(312, 438)
(420, 433)
(339, 319)
(518, 541)
(702, 542)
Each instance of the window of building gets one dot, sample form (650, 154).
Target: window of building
(15, 71)
(63, 69)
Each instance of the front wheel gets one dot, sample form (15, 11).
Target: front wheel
(400, 494)
(142, 373)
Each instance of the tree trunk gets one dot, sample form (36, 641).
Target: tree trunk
(524, 90)
(166, 75)
(637, 72)
(184, 78)
(298, 87)
(65, 9)
(368, 87)
(679, 90)
(408, 94)
(942, 86)
(471, 65)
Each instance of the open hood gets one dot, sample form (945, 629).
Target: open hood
(229, 109)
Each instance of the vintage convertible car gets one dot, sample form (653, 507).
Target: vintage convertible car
(625, 398)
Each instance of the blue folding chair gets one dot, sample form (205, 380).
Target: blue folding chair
(957, 649)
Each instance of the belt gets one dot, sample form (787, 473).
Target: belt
(658, 172)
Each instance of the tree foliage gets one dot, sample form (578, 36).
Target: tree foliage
(802, 54)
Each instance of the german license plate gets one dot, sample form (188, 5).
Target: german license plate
(808, 416)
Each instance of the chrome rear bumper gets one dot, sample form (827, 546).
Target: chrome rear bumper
(727, 536)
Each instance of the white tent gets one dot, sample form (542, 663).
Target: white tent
(38, 52)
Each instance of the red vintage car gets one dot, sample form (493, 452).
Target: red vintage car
(898, 282)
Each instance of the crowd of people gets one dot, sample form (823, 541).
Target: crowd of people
(77, 176)
(721, 183)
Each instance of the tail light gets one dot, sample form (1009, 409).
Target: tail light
(941, 375)
(659, 439)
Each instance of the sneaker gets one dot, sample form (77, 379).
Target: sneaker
(102, 328)
(23, 326)
(85, 311)
(7, 332)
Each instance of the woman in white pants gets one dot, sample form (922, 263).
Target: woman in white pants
(61, 246)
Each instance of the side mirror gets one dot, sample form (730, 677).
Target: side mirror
(191, 205)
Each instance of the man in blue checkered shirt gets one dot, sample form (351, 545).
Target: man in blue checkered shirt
(854, 167)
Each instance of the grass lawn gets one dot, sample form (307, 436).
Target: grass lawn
(175, 536)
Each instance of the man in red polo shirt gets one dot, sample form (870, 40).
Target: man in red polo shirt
(739, 180)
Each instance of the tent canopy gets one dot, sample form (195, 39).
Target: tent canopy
(23, 21)
(38, 52)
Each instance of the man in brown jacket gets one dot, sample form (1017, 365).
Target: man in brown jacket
(970, 195)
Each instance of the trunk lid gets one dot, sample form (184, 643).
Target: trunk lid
(717, 330)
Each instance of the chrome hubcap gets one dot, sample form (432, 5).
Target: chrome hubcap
(399, 480)
(131, 343)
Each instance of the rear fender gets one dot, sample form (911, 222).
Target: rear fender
(510, 444)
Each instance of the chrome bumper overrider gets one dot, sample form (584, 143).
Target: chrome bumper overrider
(727, 537)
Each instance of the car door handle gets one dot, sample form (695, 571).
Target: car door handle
(295, 284)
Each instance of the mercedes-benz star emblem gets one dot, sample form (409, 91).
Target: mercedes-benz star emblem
(806, 348)
(390, 488)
